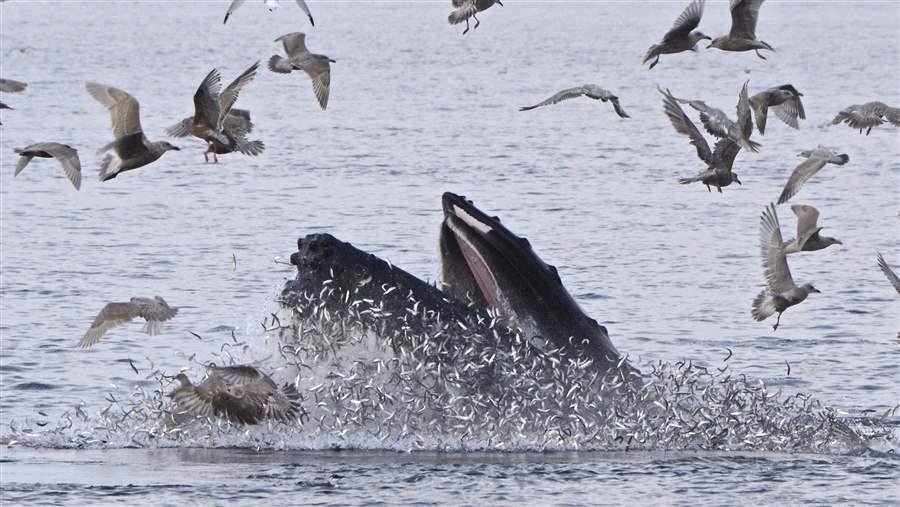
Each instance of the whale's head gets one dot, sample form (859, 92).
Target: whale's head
(484, 262)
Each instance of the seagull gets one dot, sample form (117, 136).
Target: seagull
(155, 311)
(67, 156)
(589, 90)
(682, 36)
(808, 238)
(271, 5)
(131, 147)
(868, 115)
(466, 9)
(318, 67)
(719, 162)
(742, 36)
(889, 273)
(12, 86)
(784, 101)
(815, 160)
(212, 120)
(242, 394)
(717, 123)
(781, 292)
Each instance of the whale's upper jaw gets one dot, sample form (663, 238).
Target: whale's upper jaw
(489, 264)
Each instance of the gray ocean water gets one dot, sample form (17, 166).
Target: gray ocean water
(416, 109)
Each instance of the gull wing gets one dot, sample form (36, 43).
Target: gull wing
(305, 8)
(124, 110)
(684, 125)
(686, 22)
(319, 70)
(67, 157)
(181, 129)
(802, 173)
(230, 95)
(889, 273)
(568, 93)
(744, 118)
(206, 100)
(294, 43)
(744, 14)
(774, 261)
(231, 8)
(112, 315)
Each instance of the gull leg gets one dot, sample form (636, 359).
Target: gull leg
(215, 157)
(719, 189)
(759, 55)
(707, 187)
(777, 321)
(467, 27)
(654, 62)
(476, 21)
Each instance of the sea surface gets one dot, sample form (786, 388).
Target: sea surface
(417, 109)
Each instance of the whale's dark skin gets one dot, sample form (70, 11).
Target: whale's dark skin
(485, 267)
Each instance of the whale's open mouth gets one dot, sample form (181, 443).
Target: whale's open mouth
(486, 263)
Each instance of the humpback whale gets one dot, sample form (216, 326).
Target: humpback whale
(488, 274)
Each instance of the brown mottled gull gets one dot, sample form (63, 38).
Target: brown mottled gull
(271, 5)
(718, 162)
(131, 148)
(742, 37)
(781, 292)
(154, 311)
(868, 115)
(213, 121)
(65, 154)
(589, 90)
(785, 103)
(682, 36)
(318, 67)
(808, 238)
(241, 394)
(815, 161)
(466, 9)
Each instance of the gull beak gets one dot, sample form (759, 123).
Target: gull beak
(839, 242)
(176, 148)
(738, 182)
(499, 3)
(817, 291)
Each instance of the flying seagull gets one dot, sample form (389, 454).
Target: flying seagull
(271, 5)
(808, 238)
(717, 123)
(868, 115)
(154, 311)
(65, 154)
(785, 103)
(131, 148)
(815, 160)
(781, 292)
(682, 36)
(742, 36)
(318, 67)
(718, 163)
(213, 121)
(589, 90)
(889, 273)
(241, 394)
(466, 9)
(12, 86)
